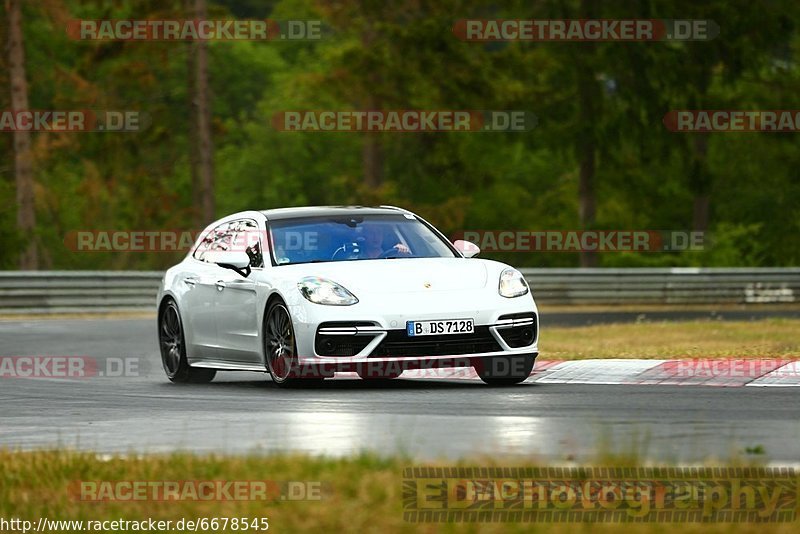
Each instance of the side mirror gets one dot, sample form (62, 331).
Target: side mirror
(467, 248)
(235, 260)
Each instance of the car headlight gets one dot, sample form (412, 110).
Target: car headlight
(512, 284)
(322, 291)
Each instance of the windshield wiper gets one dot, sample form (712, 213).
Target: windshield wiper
(304, 262)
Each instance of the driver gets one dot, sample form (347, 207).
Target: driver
(373, 245)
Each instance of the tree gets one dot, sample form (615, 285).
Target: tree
(588, 96)
(23, 159)
(204, 151)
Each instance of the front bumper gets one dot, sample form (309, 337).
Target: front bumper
(360, 336)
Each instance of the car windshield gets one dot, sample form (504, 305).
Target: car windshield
(354, 237)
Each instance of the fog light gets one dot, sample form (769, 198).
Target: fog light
(527, 335)
(328, 346)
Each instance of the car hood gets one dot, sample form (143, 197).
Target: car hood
(401, 275)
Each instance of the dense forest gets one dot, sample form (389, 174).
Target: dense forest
(599, 156)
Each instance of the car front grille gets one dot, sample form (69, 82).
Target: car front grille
(398, 344)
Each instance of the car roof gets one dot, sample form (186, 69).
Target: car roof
(328, 211)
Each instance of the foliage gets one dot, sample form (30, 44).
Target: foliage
(405, 56)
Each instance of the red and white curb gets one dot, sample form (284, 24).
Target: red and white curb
(726, 372)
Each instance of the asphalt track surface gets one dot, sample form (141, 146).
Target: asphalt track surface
(425, 419)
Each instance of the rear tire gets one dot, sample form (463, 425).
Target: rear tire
(173, 349)
(505, 370)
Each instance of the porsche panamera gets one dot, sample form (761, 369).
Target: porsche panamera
(304, 293)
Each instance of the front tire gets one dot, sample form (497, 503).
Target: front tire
(173, 349)
(280, 348)
(505, 370)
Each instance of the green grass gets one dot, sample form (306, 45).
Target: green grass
(360, 494)
(769, 338)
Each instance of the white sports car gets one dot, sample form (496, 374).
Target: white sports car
(303, 293)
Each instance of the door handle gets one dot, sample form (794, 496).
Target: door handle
(220, 285)
(190, 281)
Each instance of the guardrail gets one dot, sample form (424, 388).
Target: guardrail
(677, 285)
(78, 291)
(104, 291)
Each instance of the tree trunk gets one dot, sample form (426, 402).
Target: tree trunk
(588, 115)
(587, 201)
(586, 145)
(202, 99)
(371, 153)
(700, 183)
(194, 160)
(23, 158)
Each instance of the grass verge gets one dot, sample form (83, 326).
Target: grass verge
(768, 338)
(360, 494)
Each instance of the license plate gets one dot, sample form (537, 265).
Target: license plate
(438, 328)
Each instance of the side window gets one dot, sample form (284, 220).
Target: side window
(241, 234)
(248, 238)
(220, 238)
